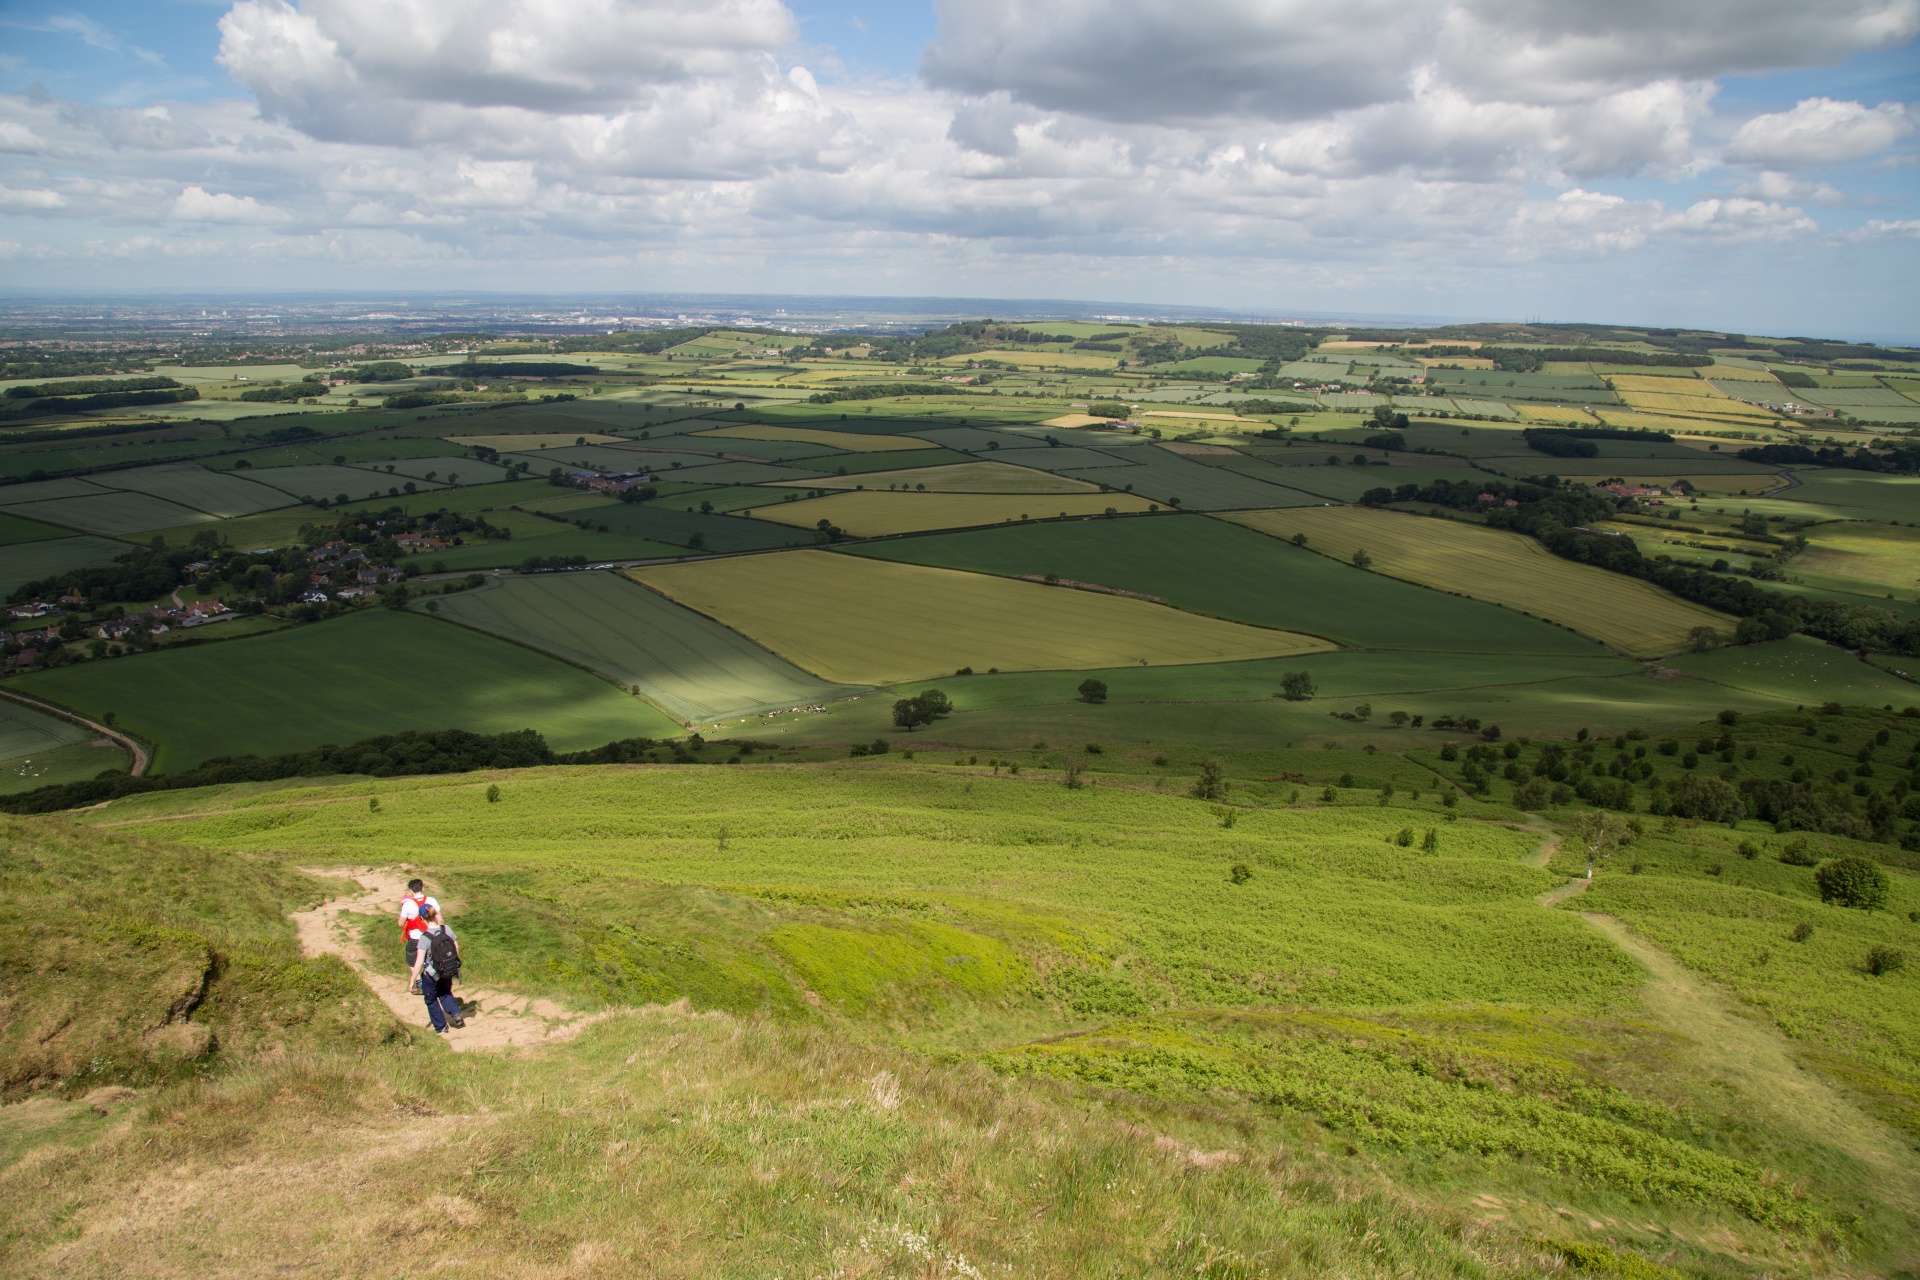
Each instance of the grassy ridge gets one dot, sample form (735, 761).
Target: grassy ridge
(1417, 1004)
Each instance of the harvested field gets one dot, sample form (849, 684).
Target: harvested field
(961, 477)
(1502, 568)
(689, 665)
(521, 442)
(875, 513)
(862, 621)
(852, 442)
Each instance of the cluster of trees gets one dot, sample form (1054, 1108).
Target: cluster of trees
(47, 400)
(59, 361)
(1554, 514)
(516, 369)
(921, 708)
(1559, 443)
(279, 392)
(379, 371)
(1531, 360)
(880, 392)
(1901, 457)
(89, 386)
(1561, 773)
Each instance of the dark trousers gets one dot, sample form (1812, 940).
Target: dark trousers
(441, 1002)
(413, 949)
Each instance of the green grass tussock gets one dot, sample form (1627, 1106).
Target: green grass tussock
(132, 961)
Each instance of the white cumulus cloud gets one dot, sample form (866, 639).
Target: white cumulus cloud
(197, 204)
(1819, 132)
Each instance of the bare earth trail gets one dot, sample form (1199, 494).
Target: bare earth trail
(495, 1019)
(1757, 1062)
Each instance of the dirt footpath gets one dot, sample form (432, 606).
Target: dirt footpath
(495, 1019)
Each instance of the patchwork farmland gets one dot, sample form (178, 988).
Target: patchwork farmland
(1147, 768)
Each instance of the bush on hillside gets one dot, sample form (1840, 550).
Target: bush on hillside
(1852, 882)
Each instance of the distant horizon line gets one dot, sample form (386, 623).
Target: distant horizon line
(774, 308)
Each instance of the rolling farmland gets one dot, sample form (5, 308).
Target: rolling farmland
(859, 621)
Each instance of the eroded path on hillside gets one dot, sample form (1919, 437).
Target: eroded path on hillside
(495, 1019)
(1756, 1060)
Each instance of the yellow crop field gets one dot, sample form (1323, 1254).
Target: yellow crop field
(874, 513)
(1075, 420)
(1556, 413)
(1042, 359)
(860, 621)
(1714, 406)
(961, 477)
(1500, 567)
(1663, 422)
(531, 443)
(1741, 373)
(1678, 384)
(851, 441)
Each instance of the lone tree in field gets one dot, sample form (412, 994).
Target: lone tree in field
(1296, 686)
(922, 708)
(1361, 560)
(1212, 783)
(1852, 882)
(1701, 639)
(1599, 834)
(1094, 691)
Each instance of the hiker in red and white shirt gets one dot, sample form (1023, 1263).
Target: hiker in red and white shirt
(435, 965)
(412, 920)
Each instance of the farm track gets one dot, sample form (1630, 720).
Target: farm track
(1755, 1061)
(495, 1019)
(138, 753)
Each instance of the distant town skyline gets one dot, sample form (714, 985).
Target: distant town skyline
(1746, 166)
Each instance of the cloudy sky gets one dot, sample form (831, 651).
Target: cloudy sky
(1748, 164)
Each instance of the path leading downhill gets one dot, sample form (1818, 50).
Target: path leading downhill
(495, 1019)
(1756, 1060)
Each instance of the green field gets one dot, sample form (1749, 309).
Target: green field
(368, 673)
(15, 530)
(220, 494)
(690, 665)
(667, 520)
(24, 562)
(112, 513)
(1216, 568)
(1800, 669)
(26, 732)
(328, 481)
(1863, 495)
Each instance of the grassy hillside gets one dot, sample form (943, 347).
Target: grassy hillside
(1282, 1035)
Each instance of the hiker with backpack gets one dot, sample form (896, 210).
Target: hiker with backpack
(411, 923)
(436, 963)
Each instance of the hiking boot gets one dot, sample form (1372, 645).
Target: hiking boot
(459, 1022)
